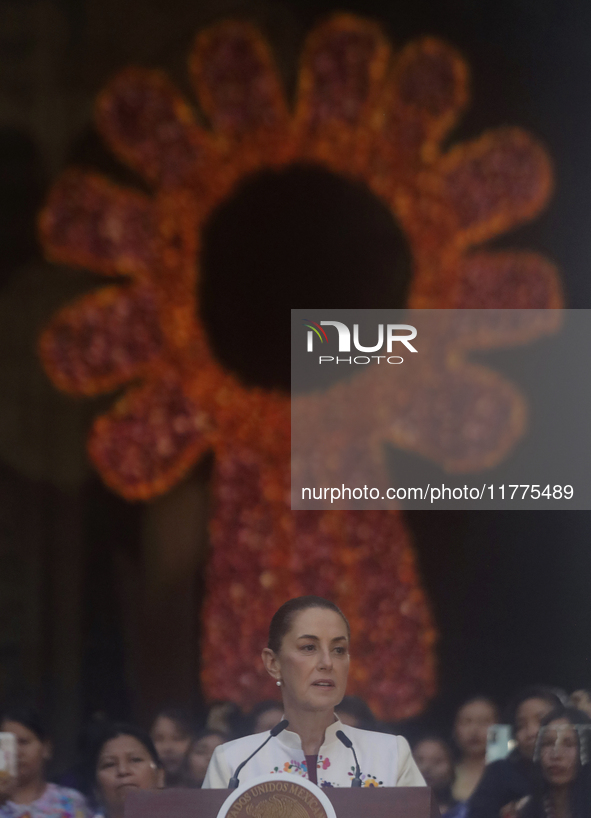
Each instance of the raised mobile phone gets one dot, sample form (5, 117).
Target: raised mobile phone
(498, 742)
(7, 755)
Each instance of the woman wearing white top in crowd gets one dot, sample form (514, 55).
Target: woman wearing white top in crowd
(308, 656)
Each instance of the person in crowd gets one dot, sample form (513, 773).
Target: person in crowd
(508, 780)
(124, 758)
(172, 733)
(563, 781)
(308, 657)
(199, 756)
(435, 760)
(581, 699)
(30, 794)
(356, 712)
(263, 716)
(471, 725)
(226, 717)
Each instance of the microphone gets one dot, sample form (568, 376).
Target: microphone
(274, 731)
(349, 745)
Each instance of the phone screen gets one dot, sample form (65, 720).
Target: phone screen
(7, 755)
(498, 742)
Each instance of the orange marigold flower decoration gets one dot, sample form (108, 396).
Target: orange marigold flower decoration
(362, 113)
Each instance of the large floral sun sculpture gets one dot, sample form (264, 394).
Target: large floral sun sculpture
(363, 113)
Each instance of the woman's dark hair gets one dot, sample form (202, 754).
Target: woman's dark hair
(206, 734)
(28, 717)
(445, 793)
(481, 697)
(233, 716)
(283, 617)
(574, 716)
(552, 695)
(258, 710)
(580, 789)
(179, 716)
(436, 740)
(111, 731)
(359, 708)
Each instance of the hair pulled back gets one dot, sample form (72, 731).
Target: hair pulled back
(284, 616)
(180, 717)
(114, 730)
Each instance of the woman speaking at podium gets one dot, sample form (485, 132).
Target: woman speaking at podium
(308, 656)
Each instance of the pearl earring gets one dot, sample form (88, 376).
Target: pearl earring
(278, 682)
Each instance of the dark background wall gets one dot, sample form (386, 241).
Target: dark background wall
(79, 625)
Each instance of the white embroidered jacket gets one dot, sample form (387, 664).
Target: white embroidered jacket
(385, 760)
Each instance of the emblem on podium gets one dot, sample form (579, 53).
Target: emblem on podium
(277, 796)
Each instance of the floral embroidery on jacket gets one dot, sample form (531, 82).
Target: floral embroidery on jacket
(367, 780)
(301, 767)
(294, 767)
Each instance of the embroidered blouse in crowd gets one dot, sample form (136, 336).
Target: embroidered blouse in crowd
(56, 802)
(385, 760)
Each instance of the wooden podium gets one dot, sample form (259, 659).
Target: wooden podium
(348, 802)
